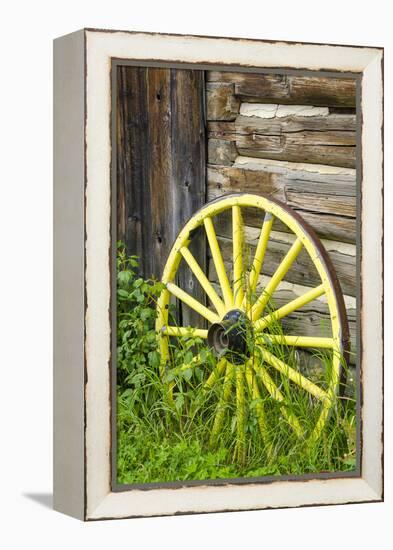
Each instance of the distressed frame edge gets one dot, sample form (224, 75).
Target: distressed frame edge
(69, 489)
(374, 490)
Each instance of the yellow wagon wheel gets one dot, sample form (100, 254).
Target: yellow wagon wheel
(238, 306)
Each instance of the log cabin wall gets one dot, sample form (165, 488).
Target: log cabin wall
(293, 138)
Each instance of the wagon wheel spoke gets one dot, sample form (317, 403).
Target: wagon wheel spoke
(256, 396)
(294, 375)
(298, 341)
(222, 404)
(218, 262)
(184, 332)
(240, 415)
(260, 252)
(291, 306)
(238, 243)
(192, 302)
(276, 394)
(216, 374)
(203, 280)
(277, 277)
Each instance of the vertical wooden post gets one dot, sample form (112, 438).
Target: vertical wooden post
(161, 166)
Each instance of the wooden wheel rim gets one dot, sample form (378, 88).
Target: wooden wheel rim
(233, 295)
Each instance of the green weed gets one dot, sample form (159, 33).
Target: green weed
(160, 440)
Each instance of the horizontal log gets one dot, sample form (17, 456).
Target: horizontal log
(331, 189)
(325, 197)
(327, 226)
(221, 130)
(221, 151)
(327, 140)
(221, 101)
(279, 88)
(302, 272)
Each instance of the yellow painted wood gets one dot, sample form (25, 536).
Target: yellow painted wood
(185, 331)
(218, 262)
(222, 404)
(203, 280)
(192, 303)
(256, 396)
(291, 306)
(275, 393)
(240, 415)
(294, 375)
(215, 374)
(260, 252)
(298, 341)
(238, 243)
(277, 277)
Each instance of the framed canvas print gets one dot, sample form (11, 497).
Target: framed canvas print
(218, 274)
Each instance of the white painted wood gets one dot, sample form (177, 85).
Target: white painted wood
(371, 269)
(261, 110)
(234, 497)
(268, 110)
(101, 502)
(253, 163)
(68, 250)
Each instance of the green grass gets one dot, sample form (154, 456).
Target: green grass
(161, 441)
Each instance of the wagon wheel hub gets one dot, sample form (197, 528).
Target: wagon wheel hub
(231, 336)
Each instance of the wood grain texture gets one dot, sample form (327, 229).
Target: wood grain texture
(221, 151)
(188, 181)
(301, 90)
(326, 198)
(222, 104)
(303, 271)
(160, 162)
(329, 140)
(221, 130)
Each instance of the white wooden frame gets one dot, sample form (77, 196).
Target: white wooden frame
(82, 400)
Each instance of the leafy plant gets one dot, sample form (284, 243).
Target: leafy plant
(136, 313)
(163, 440)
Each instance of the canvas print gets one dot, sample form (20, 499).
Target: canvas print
(236, 314)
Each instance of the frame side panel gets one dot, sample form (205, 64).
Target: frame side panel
(69, 177)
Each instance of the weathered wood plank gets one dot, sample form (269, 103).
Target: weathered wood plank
(317, 192)
(221, 130)
(221, 151)
(273, 88)
(303, 271)
(188, 159)
(221, 101)
(132, 148)
(161, 163)
(327, 140)
(159, 172)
